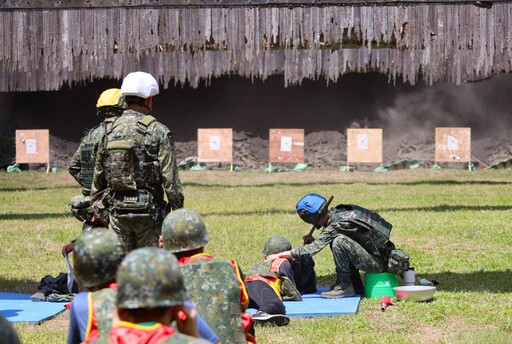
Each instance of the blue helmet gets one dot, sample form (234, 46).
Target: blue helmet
(311, 207)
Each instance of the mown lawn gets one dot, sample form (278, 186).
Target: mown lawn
(454, 223)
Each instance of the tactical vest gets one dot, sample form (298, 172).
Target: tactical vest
(88, 150)
(371, 231)
(101, 307)
(87, 160)
(215, 292)
(127, 166)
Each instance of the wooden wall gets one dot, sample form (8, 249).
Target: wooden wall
(46, 48)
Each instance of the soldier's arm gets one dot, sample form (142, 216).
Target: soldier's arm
(169, 172)
(74, 166)
(324, 239)
(99, 180)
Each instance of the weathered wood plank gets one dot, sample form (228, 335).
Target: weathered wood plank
(43, 49)
(90, 4)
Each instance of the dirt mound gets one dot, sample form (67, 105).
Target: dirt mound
(322, 150)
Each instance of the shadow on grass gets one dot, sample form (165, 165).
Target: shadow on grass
(29, 216)
(249, 212)
(437, 209)
(478, 281)
(39, 188)
(450, 208)
(327, 183)
(19, 286)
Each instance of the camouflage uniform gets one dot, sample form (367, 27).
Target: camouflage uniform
(81, 167)
(344, 238)
(216, 285)
(215, 292)
(149, 278)
(303, 268)
(96, 257)
(359, 240)
(8, 333)
(137, 211)
(270, 282)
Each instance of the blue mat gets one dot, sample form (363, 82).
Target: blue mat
(19, 308)
(312, 305)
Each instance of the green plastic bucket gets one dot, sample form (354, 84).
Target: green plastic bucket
(379, 285)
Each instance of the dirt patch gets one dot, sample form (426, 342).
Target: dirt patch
(325, 150)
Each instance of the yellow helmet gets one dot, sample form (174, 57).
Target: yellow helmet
(111, 97)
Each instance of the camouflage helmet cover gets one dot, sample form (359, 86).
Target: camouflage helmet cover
(184, 230)
(150, 277)
(311, 207)
(276, 244)
(96, 257)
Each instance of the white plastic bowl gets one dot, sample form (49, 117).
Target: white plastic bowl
(415, 292)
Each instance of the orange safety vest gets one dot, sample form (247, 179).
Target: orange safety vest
(92, 332)
(273, 282)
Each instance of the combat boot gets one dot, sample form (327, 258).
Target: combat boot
(343, 288)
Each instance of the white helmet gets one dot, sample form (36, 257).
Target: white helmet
(139, 84)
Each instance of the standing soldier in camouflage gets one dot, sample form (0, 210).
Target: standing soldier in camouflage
(184, 233)
(358, 238)
(136, 167)
(270, 282)
(150, 297)
(109, 106)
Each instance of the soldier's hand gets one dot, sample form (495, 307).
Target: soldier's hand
(271, 257)
(308, 239)
(66, 249)
(186, 321)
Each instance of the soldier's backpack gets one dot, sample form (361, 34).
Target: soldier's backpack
(398, 261)
(125, 162)
(375, 236)
(372, 230)
(215, 292)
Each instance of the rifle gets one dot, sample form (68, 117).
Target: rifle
(314, 226)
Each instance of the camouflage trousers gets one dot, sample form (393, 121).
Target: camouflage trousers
(346, 251)
(140, 230)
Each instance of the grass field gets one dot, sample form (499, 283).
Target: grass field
(454, 223)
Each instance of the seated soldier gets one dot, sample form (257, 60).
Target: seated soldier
(96, 257)
(151, 296)
(270, 282)
(184, 233)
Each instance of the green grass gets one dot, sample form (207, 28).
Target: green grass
(454, 223)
